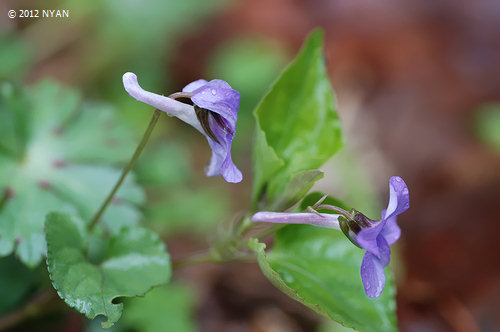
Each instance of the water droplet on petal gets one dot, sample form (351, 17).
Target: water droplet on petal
(405, 191)
(398, 179)
(214, 92)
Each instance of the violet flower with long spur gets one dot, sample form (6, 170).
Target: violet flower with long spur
(375, 236)
(211, 108)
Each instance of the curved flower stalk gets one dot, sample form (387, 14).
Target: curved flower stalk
(374, 236)
(213, 114)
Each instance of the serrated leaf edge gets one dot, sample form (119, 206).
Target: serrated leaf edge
(278, 282)
(156, 239)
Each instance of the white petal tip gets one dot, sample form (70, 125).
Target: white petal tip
(129, 81)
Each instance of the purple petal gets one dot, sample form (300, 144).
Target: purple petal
(372, 275)
(194, 85)
(391, 231)
(384, 250)
(218, 96)
(399, 197)
(367, 238)
(323, 220)
(221, 161)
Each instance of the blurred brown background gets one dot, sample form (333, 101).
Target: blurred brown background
(411, 78)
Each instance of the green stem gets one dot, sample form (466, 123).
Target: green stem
(204, 257)
(127, 168)
(210, 257)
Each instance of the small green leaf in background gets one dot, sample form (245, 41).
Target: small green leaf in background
(166, 308)
(130, 264)
(297, 125)
(488, 125)
(58, 153)
(320, 268)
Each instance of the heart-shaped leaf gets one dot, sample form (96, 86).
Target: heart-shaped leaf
(125, 265)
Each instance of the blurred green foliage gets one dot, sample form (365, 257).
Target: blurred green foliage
(165, 308)
(57, 153)
(16, 282)
(164, 165)
(184, 210)
(15, 56)
(487, 125)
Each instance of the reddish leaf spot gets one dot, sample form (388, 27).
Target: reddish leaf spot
(59, 163)
(111, 142)
(44, 184)
(57, 131)
(9, 192)
(116, 201)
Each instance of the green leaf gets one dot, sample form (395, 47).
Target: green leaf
(59, 155)
(487, 125)
(14, 122)
(297, 125)
(320, 268)
(21, 223)
(130, 264)
(298, 186)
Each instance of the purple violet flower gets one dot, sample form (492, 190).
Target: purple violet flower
(375, 236)
(213, 114)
